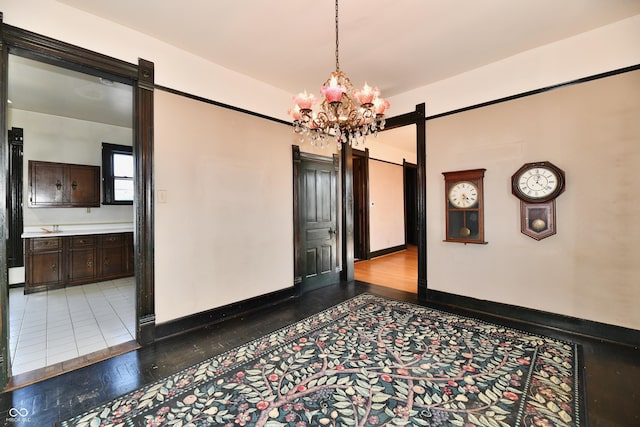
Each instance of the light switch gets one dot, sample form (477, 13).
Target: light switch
(162, 196)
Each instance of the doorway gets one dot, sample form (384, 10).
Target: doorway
(139, 78)
(412, 139)
(361, 246)
(63, 119)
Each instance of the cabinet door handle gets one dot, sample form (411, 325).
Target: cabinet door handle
(106, 261)
(54, 267)
(74, 185)
(90, 263)
(58, 185)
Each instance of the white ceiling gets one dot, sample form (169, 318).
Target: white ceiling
(43, 88)
(394, 45)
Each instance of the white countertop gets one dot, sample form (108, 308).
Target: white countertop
(76, 230)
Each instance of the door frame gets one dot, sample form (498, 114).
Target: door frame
(362, 242)
(410, 192)
(140, 76)
(417, 118)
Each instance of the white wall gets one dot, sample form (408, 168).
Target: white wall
(60, 139)
(225, 232)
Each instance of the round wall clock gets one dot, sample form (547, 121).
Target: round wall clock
(463, 194)
(537, 182)
(537, 185)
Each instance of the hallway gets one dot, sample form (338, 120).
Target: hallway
(398, 270)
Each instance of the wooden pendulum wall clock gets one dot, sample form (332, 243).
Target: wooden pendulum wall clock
(537, 185)
(464, 206)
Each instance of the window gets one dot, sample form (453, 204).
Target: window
(117, 174)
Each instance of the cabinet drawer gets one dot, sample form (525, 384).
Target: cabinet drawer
(112, 240)
(45, 243)
(83, 241)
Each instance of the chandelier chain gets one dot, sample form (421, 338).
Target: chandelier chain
(337, 45)
(346, 115)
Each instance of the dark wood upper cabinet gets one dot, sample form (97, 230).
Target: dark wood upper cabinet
(63, 185)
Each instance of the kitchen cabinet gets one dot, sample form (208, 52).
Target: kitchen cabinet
(56, 262)
(82, 259)
(43, 264)
(63, 185)
(112, 255)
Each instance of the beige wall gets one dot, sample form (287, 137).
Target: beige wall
(386, 210)
(590, 268)
(225, 232)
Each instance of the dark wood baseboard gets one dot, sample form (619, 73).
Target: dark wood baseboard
(587, 328)
(387, 251)
(218, 314)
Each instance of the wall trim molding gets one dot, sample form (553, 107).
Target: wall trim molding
(220, 104)
(387, 251)
(240, 308)
(573, 325)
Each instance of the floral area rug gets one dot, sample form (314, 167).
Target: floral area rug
(369, 361)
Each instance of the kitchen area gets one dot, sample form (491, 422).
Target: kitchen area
(71, 274)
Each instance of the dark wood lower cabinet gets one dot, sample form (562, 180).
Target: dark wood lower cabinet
(56, 262)
(112, 255)
(44, 264)
(82, 259)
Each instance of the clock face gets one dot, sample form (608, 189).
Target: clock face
(537, 183)
(463, 194)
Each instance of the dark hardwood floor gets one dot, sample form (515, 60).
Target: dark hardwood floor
(612, 372)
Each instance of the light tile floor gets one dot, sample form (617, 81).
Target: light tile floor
(54, 326)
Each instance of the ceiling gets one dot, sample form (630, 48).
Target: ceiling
(43, 88)
(394, 45)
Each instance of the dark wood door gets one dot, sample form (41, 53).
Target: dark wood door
(318, 222)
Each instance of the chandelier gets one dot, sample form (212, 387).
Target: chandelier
(345, 114)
